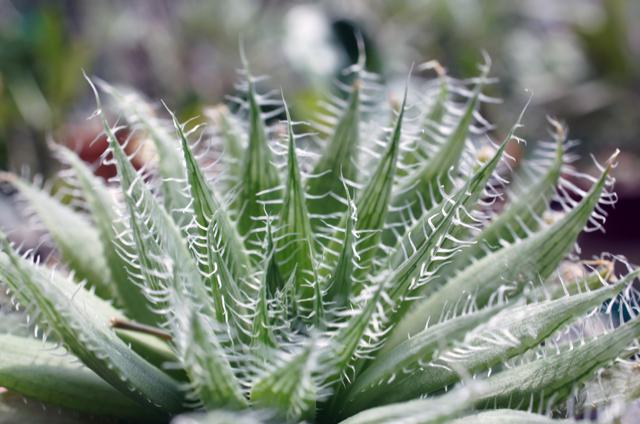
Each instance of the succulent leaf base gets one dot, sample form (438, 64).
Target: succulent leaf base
(387, 263)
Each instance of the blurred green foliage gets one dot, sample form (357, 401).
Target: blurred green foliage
(581, 58)
(39, 70)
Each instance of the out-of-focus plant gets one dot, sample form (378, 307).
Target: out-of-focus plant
(39, 69)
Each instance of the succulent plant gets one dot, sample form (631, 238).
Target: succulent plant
(256, 271)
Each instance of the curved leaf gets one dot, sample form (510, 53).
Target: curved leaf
(419, 349)
(514, 266)
(79, 322)
(76, 238)
(421, 184)
(508, 416)
(550, 379)
(103, 211)
(171, 169)
(509, 333)
(44, 372)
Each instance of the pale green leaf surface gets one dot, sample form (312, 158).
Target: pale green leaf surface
(103, 211)
(76, 238)
(422, 182)
(79, 322)
(507, 334)
(170, 166)
(420, 348)
(519, 219)
(531, 259)
(552, 378)
(508, 416)
(45, 372)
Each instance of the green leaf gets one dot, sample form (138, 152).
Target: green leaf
(294, 249)
(226, 294)
(421, 246)
(519, 219)
(337, 161)
(205, 361)
(374, 380)
(83, 325)
(272, 288)
(163, 261)
(232, 141)
(423, 183)
(76, 238)
(549, 380)
(371, 208)
(170, 166)
(222, 416)
(423, 411)
(508, 416)
(340, 281)
(416, 235)
(290, 386)
(432, 120)
(103, 212)
(357, 336)
(514, 266)
(44, 372)
(509, 333)
(260, 180)
(14, 409)
(169, 269)
(208, 212)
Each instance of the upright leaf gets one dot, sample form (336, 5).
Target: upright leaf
(372, 204)
(518, 220)
(174, 282)
(171, 169)
(420, 191)
(108, 225)
(294, 244)
(340, 282)
(260, 180)
(337, 161)
(421, 246)
(208, 212)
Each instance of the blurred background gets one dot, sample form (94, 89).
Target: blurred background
(580, 58)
